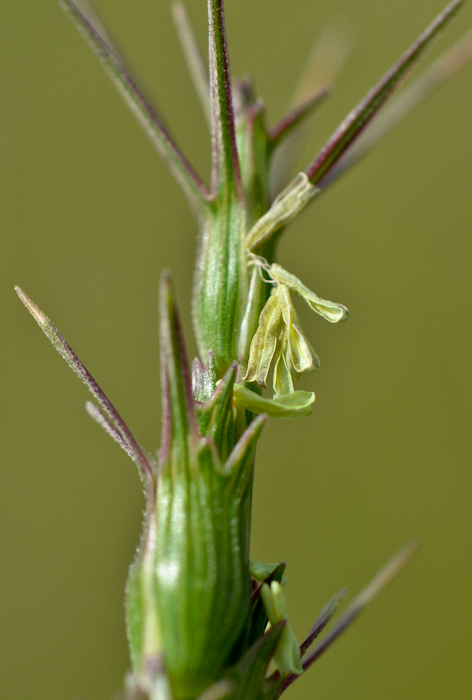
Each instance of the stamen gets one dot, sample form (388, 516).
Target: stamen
(261, 263)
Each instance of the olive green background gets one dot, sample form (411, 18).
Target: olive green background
(89, 218)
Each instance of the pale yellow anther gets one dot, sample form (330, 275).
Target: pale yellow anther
(279, 344)
(330, 310)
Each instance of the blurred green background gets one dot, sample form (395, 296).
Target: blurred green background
(89, 218)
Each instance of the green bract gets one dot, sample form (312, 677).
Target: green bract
(294, 405)
(201, 622)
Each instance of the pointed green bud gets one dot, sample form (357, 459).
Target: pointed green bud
(287, 653)
(201, 570)
(285, 208)
(258, 619)
(189, 591)
(220, 291)
(330, 310)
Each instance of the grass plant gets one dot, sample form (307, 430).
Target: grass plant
(203, 620)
